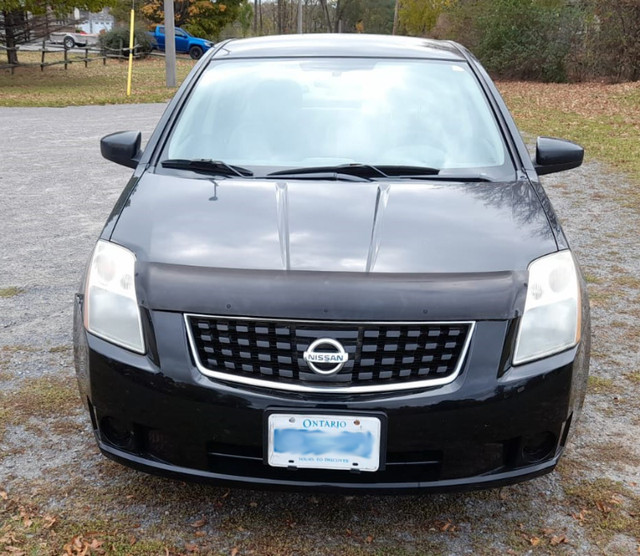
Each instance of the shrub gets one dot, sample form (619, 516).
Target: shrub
(118, 38)
(521, 39)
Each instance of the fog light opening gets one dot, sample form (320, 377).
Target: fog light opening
(116, 432)
(538, 447)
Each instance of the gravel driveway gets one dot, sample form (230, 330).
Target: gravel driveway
(58, 494)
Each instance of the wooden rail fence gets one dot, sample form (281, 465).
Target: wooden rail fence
(89, 54)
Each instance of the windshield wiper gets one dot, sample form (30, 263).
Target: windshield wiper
(366, 171)
(207, 166)
(362, 172)
(467, 178)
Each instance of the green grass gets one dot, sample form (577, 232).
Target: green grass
(96, 84)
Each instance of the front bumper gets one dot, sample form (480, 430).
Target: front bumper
(161, 415)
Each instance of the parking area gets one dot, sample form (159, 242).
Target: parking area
(56, 489)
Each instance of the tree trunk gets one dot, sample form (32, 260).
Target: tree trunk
(10, 36)
(255, 18)
(395, 18)
(325, 8)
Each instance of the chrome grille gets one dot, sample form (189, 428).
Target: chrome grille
(382, 355)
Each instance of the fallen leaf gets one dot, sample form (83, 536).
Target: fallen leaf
(582, 515)
(253, 504)
(535, 541)
(560, 539)
(3, 494)
(234, 551)
(200, 533)
(26, 518)
(191, 547)
(132, 540)
(445, 526)
(369, 539)
(199, 523)
(49, 521)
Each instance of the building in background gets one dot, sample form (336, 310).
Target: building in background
(94, 22)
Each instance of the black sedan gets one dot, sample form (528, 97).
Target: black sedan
(334, 267)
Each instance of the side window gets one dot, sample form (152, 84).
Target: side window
(180, 33)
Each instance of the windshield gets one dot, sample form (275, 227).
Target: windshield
(301, 113)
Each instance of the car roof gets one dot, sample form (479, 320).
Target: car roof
(348, 44)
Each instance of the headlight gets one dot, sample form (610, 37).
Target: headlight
(551, 319)
(110, 307)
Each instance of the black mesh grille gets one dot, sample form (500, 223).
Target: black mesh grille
(385, 354)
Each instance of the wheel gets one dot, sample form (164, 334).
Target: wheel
(68, 42)
(195, 52)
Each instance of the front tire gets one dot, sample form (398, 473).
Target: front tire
(68, 43)
(196, 52)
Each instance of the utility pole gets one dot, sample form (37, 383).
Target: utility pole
(169, 43)
(299, 17)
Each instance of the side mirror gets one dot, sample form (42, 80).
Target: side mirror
(122, 147)
(556, 155)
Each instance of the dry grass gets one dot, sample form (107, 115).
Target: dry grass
(601, 385)
(46, 397)
(605, 508)
(605, 119)
(96, 84)
(11, 291)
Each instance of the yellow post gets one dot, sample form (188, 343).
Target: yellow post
(130, 54)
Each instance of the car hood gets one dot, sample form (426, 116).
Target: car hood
(335, 226)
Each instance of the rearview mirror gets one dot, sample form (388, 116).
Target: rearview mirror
(122, 147)
(556, 155)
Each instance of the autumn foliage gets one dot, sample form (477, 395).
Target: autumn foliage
(202, 18)
(542, 40)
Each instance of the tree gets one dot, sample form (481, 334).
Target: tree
(517, 39)
(14, 16)
(418, 17)
(612, 40)
(368, 16)
(204, 18)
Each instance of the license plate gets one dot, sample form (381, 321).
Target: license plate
(318, 441)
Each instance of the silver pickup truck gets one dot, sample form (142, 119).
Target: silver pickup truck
(69, 40)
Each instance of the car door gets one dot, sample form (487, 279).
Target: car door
(182, 41)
